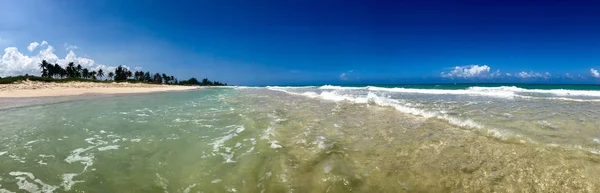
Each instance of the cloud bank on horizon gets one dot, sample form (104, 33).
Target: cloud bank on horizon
(14, 62)
(485, 72)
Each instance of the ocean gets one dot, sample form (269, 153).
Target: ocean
(352, 138)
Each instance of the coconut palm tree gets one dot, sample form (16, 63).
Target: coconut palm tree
(44, 66)
(85, 73)
(100, 73)
(147, 77)
(164, 77)
(71, 70)
(57, 71)
(79, 71)
(93, 74)
(157, 78)
(50, 69)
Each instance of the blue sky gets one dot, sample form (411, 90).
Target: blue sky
(315, 42)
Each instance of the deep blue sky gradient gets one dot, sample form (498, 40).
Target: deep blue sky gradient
(313, 42)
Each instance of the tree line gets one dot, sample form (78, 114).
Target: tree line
(71, 71)
(120, 74)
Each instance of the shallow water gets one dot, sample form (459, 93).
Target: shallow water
(311, 139)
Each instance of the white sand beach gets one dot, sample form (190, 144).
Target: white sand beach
(44, 89)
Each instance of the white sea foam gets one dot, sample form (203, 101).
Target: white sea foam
(274, 144)
(24, 184)
(506, 92)
(228, 157)
(288, 87)
(240, 129)
(30, 142)
(46, 156)
(4, 152)
(556, 92)
(187, 189)
(110, 147)
(330, 87)
(472, 92)
(162, 182)
(220, 141)
(384, 101)
(2, 190)
(76, 156)
(68, 181)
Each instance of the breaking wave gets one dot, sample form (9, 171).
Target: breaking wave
(504, 92)
(371, 97)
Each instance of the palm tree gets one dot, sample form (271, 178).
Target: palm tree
(147, 77)
(79, 70)
(206, 82)
(50, 69)
(157, 78)
(119, 73)
(111, 75)
(57, 70)
(85, 73)
(63, 73)
(128, 74)
(100, 73)
(44, 66)
(93, 74)
(164, 77)
(71, 70)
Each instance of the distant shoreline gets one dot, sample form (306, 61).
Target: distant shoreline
(31, 89)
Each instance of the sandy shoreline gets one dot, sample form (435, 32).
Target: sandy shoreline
(29, 89)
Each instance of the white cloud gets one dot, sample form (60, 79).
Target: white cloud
(15, 63)
(137, 68)
(344, 76)
(595, 73)
(471, 71)
(568, 75)
(524, 74)
(507, 74)
(70, 47)
(32, 46)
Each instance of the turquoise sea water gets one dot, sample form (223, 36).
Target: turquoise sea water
(355, 138)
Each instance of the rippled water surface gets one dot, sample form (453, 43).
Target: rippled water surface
(307, 139)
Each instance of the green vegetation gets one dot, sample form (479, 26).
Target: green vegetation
(56, 73)
(205, 82)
